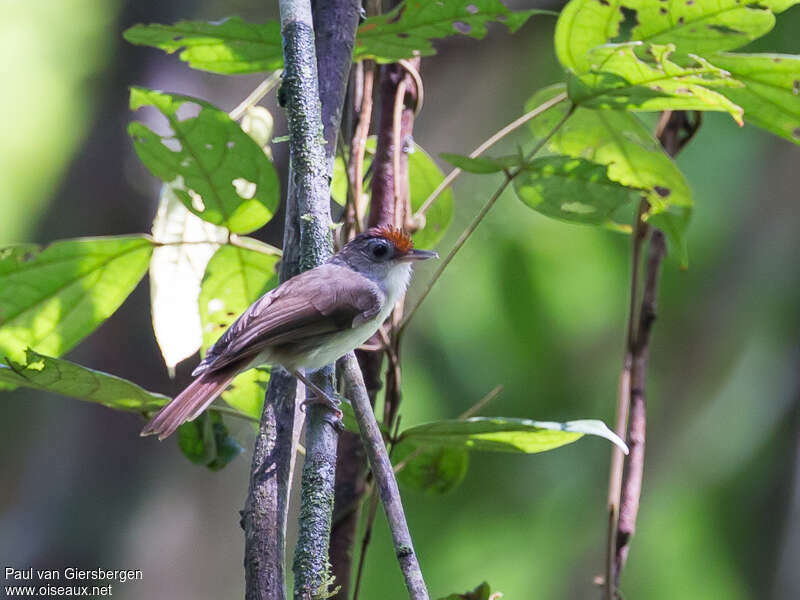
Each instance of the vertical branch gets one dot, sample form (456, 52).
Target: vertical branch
(674, 131)
(310, 187)
(336, 22)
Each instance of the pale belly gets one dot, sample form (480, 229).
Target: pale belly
(324, 352)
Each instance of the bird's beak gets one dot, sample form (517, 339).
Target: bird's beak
(419, 255)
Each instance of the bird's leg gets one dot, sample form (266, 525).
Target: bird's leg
(320, 397)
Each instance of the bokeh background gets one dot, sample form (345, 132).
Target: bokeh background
(533, 304)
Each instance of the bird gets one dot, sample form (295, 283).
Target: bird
(305, 323)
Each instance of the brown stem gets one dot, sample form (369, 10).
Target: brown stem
(674, 131)
(355, 169)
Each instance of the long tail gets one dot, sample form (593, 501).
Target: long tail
(192, 401)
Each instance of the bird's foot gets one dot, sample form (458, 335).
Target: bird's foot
(331, 403)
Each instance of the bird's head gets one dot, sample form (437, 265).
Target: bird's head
(382, 252)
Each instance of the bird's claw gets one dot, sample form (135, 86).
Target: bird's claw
(333, 404)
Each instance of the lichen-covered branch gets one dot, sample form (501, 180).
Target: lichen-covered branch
(310, 190)
(335, 31)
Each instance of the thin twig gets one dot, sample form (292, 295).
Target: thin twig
(514, 125)
(465, 235)
(256, 95)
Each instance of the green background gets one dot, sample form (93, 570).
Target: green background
(530, 303)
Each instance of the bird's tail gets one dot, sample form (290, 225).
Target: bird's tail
(192, 401)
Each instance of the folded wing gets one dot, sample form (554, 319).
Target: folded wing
(321, 301)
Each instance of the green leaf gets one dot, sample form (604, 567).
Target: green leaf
(226, 47)
(206, 441)
(407, 30)
(482, 592)
(432, 470)
(634, 158)
(235, 278)
(705, 26)
(696, 26)
(219, 172)
(771, 96)
(571, 189)
(621, 80)
(504, 434)
(69, 379)
(424, 177)
(482, 164)
(51, 299)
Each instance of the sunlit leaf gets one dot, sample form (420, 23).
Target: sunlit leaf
(58, 376)
(705, 26)
(431, 470)
(259, 124)
(571, 189)
(176, 270)
(694, 26)
(408, 30)
(51, 299)
(234, 279)
(206, 441)
(228, 46)
(771, 98)
(619, 140)
(228, 179)
(504, 434)
(619, 79)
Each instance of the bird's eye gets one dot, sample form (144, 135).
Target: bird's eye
(380, 249)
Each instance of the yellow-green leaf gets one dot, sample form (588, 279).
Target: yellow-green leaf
(51, 299)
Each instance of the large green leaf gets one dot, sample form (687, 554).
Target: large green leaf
(424, 177)
(771, 98)
(228, 46)
(234, 46)
(68, 379)
(432, 469)
(619, 79)
(408, 30)
(504, 434)
(571, 189)
(694, 26)
(234, 279)
(619, 140)
(206, 441)
(218, 171)
(51, 299)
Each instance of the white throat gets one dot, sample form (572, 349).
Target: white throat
(396, 281)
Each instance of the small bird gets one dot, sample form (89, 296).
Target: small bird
(307, 322)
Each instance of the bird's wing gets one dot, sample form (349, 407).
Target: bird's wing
(326, 299)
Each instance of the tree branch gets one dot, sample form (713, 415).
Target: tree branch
(384, 478)
(336, 22)
(310, 189)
